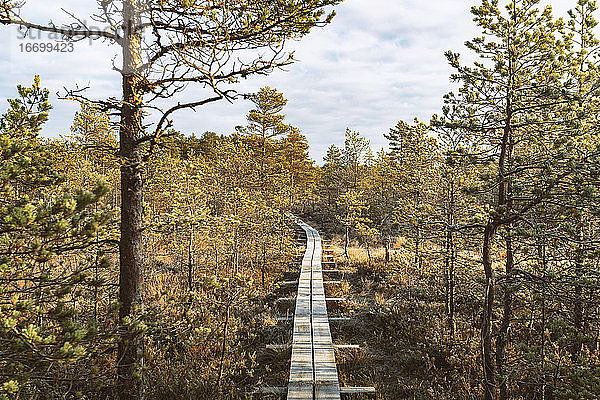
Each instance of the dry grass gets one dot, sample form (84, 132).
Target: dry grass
(398, 320)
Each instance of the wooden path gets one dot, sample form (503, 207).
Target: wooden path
(313, 371)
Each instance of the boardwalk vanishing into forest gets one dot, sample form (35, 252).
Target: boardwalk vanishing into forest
(313, 371)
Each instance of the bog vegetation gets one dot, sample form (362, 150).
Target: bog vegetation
(472, 242)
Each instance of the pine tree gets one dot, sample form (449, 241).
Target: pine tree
(40, 225)
(414, 154)
(299, 172)
(263, 136)
(330, 184)
(507, 102)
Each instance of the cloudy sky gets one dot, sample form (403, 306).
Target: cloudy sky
(380, 61)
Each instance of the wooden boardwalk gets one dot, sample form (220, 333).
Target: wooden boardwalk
(313, 371)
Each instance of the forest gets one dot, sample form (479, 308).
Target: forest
(142, 262)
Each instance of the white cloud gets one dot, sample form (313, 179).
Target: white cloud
(378, 62)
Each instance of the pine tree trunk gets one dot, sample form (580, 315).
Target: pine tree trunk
(346, 241)
(417, 233)
(546, 391)
(449, 264)
(450, 261)
(223, 346)
(130, 246)
(489, 370)
(578, 294)
(387, 250)
(502, 339)
(452, 285)
(263, 264)
(190, 258)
